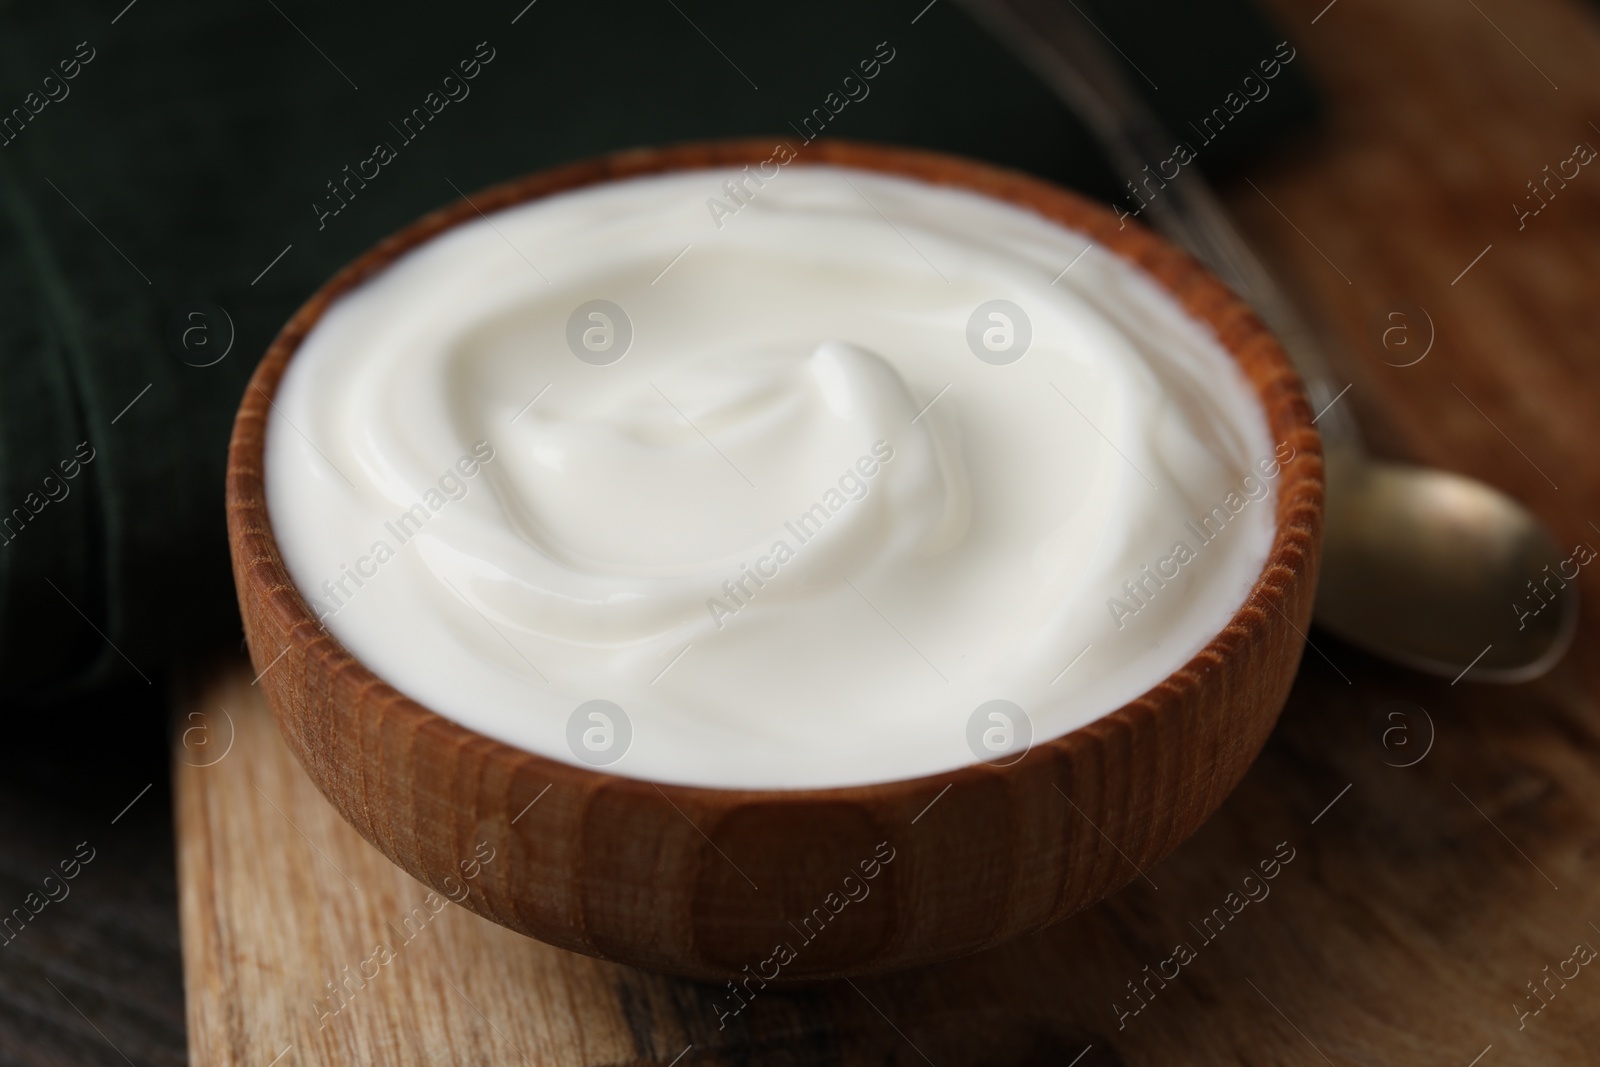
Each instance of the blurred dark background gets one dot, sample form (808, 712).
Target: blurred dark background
(159, 209)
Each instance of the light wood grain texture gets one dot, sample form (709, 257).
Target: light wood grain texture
(1417, 905)
(719, 883)
(280, 897)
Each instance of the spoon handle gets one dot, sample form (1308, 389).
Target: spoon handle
(1061, 46)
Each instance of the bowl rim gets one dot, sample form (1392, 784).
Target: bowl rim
(260, 570)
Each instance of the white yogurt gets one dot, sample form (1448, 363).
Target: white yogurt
(799, 534)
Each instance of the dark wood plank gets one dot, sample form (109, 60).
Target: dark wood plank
(108, 941)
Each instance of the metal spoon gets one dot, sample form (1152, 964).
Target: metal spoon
(1432, 570)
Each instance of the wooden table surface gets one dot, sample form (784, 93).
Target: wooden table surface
(97, 972)
(1432, 868)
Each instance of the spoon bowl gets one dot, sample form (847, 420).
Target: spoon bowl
(1441, 572)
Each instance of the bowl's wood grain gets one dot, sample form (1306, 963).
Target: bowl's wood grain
(706, 882)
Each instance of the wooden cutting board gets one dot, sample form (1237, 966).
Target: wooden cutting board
(1433, 847)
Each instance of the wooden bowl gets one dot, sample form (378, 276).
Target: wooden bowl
(759, 885)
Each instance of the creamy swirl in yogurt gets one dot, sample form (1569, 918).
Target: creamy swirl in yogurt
(799, 501)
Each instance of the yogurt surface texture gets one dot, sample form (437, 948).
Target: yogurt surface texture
(866, 481)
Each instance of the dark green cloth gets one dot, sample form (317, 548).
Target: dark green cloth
(194, 141)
